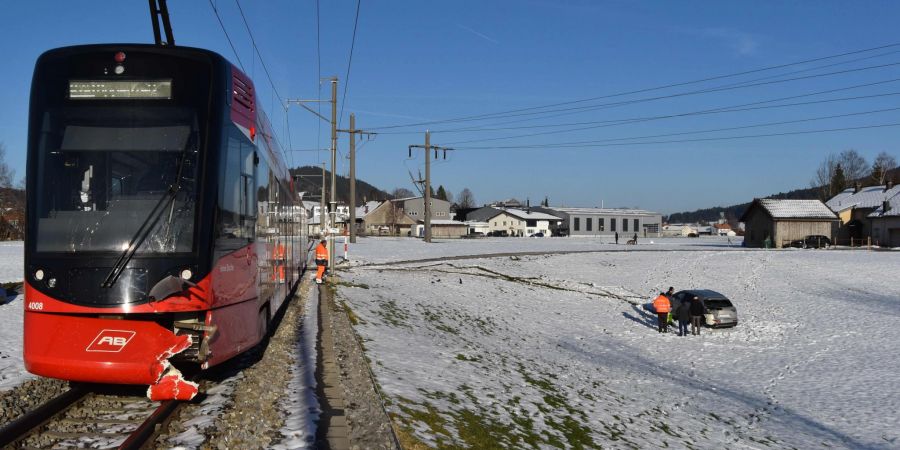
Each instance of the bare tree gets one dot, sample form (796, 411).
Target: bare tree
(883, 164)
(402, 193)
(449, 196)
(853, 165)
(822, 178)
(6, 173)
(393, 216)
(466, 199)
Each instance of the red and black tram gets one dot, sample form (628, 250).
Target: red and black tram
(163, 228)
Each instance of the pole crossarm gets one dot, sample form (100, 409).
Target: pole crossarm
(302, 104)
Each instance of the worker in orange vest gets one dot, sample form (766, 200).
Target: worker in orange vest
(321, 260)
(663, 307)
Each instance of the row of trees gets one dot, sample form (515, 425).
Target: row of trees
(841, 171)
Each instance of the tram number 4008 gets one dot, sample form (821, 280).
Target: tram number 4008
(36, 306)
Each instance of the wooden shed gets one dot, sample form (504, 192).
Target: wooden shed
(786, 220)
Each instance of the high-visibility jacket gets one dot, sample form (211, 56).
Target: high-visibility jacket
(321, 252)
(662, 305)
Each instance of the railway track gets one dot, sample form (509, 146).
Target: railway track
(89, 417)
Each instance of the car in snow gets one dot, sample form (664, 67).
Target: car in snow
(720, 312)
(812, 241)
(538, 234)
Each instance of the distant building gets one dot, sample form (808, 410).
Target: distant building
(399, 216)
(782, 221)
(604, 221)
(442, 228)
(886, 222)
(521, 223)
(854, 206)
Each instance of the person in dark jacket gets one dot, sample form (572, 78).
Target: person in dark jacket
(697, 310)
(683, 314)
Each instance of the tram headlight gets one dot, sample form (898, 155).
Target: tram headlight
(51, 282)
(186, 274)
(120, 69)
(39, 274)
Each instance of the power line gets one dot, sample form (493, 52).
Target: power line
(714, 130)
(702, 91)
(222, 25)
(789, 133)
(319, 78)
(493, 127)
(724, 109)
(349, 61)
(253, 41)
(630, 121)
(503, 113)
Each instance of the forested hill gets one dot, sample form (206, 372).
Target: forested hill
(734, 212)
(311, 182)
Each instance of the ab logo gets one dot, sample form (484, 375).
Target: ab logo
(110, 341)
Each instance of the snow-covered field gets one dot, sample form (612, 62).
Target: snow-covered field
(12, 371)
(550, 350)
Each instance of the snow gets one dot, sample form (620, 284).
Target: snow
(300, 400)
(796, 209)
(546, 349)
(12, 369)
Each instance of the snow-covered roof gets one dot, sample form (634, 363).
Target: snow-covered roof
(444, 222)
(867, 197)
(529, 215)
(893, 208)
(605, 211)
(361, 210)
(796, 209)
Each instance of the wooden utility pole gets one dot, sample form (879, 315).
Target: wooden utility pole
(353, 132)
(427, 190)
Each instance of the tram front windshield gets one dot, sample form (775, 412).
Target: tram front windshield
(103, 169)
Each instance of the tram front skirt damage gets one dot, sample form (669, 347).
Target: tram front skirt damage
(170, 384)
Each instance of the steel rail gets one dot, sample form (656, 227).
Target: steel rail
(19, 428)
(147, 429)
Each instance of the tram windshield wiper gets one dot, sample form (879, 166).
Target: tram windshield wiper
(148, 225)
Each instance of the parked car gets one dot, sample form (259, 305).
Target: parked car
(720, 312)
(811, 241)
(538, 234)
(499, 233)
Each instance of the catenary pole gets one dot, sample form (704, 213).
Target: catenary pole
(333, 202)
(427, 186)
(352, 223)
(352, 132)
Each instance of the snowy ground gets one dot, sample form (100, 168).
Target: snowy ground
(12, 371)
(537, 351)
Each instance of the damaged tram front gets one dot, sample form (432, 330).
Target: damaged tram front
(159, 225)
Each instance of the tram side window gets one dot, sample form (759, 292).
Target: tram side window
(235, 221)
(263, 206)
(248, 194)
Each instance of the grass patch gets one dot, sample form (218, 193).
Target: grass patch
(462, 357)
(392, 314)
(350, 284)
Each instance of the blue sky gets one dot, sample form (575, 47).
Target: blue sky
(420, 61)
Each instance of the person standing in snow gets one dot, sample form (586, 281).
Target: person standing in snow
(321, 260)
(663, 307)
(683, 314)
(635, 239)
(617, 238)
(697, 310)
